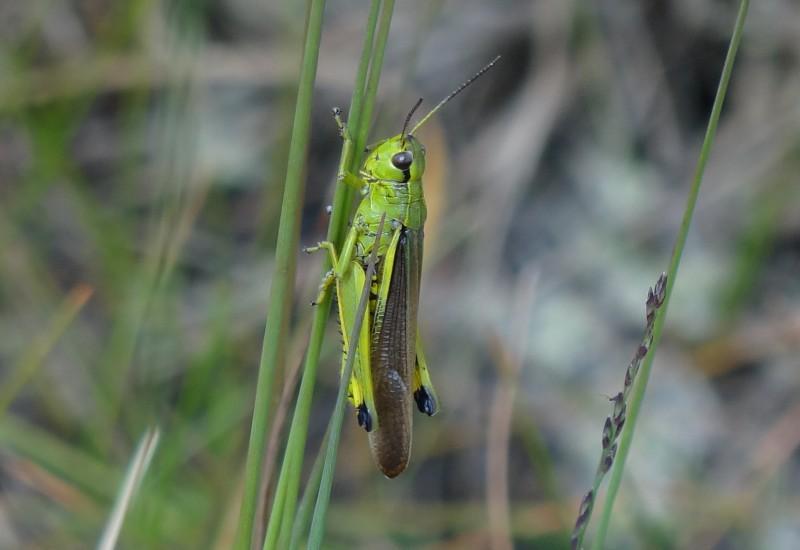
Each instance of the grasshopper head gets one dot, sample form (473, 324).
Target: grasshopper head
(400, 158)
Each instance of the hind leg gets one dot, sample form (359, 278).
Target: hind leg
(424, 394)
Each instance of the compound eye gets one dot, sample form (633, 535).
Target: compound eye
(402, 160)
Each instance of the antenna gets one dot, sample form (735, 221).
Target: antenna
(410, 114)
(453, 94)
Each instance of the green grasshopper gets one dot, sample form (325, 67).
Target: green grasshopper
(390, 367)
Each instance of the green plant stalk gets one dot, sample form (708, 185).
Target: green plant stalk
(309, 375)
(335, 430)
(343, 197)
(612, 428)
(644, 375)
(279, 526)
(306, 507)
(272, 351)
(371, 92)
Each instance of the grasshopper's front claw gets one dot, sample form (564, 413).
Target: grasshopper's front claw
(319, 246)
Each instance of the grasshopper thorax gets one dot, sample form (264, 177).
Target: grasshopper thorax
(398, 159)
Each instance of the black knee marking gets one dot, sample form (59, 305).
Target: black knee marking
(364, 418)
(425, 401)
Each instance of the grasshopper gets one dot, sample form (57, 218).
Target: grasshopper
(390, 367)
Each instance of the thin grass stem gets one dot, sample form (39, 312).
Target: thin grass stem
(371, 91)
(272, 351)
(302, 519)
(641, 385)
(616, 421)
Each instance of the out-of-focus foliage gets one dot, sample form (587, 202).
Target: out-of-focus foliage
(142, 150)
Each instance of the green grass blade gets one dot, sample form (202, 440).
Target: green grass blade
(283, 281)
(616, 421)
(349, 160)
(302, 519)
(371, 91)
(324, 495)
(641, 385)
(280, 524)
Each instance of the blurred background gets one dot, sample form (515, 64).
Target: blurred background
(142, 156)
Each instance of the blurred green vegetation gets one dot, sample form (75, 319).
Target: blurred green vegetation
(142, 154)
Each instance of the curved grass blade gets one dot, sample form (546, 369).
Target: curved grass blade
(639, 388)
